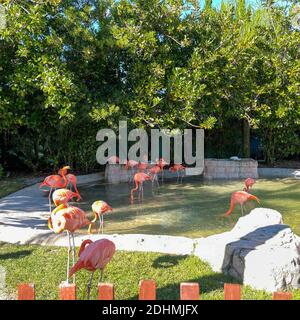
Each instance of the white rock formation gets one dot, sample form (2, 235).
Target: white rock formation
(260, 251)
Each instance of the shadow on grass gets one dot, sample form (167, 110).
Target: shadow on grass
(208, 283)
(15, 255)
(167, 261)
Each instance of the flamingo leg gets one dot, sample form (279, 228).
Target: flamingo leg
(139, 191)
(73, 254)
(162, 175)
(69, 250)
(49, 198)
(100, 276)
(177, 176)
(90, 285)
(181, 174)
(101, 222)
(242, 209)
(142, 189)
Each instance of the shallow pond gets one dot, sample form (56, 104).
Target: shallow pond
(193, 208)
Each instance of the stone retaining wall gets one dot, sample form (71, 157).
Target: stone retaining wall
(230, 169)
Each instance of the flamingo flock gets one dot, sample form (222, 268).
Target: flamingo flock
(68, 218)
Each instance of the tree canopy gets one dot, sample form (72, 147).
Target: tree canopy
(69, 68)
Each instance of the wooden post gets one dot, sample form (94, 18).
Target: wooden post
(147, 290)
(105, 291)
(67, 291)
(232, 291)
(282, 296)
(26, 291)
(189, 291)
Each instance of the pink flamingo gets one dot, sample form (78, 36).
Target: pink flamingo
(131, 164)
(63, 196)
(113, 160)
(69, 219)
(142, 166)
(56, 181)
(161, 163)
(99, 209)
(249, 182)
(72, 179)
(139, 179)
(93, 256)
(240, 197)
(179, 169)
(154, 172)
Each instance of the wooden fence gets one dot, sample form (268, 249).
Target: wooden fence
(147, 291)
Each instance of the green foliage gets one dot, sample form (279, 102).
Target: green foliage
(69, 68)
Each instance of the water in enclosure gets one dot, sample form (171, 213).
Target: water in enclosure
(193, 208)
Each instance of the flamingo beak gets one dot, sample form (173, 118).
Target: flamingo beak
(67, 168)
(255, 198)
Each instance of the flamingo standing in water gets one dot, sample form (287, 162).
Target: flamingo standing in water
(99, 209)
(131, 164)
(162, 163)
(113, 160)
(139, 179)
(68, 219)
(240, 197)
(178, 168)
(93, 256)
(154, 172)
(249, 182)
(56, 181)
(63, 196)
(72, 179)
(142, 166)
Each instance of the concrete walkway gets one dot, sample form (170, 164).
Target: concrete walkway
(24, 215)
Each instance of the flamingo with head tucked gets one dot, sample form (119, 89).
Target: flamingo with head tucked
(249, 182)
(100, 208)
(68, 219)
(142, 166)
(162, 163)
(55, 182)
(240, 197)
(179, 169)
(139, 179)
(93, 256)
(154, 172)
(131, 164)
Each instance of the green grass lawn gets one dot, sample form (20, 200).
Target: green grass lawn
(46, 266)
(10, 185)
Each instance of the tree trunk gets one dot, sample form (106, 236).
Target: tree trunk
(246, 139)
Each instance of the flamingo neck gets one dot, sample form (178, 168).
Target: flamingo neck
(134, 189)
(232, 205)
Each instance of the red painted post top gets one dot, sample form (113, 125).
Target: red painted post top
(189, 291)
(232, 291)
(67, 291)
(26, 291)
(147, 290)
(282, 296)
(105, 291)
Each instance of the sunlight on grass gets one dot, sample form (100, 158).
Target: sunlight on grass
(46, 266)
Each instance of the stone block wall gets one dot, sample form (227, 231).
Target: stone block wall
(230, 169)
